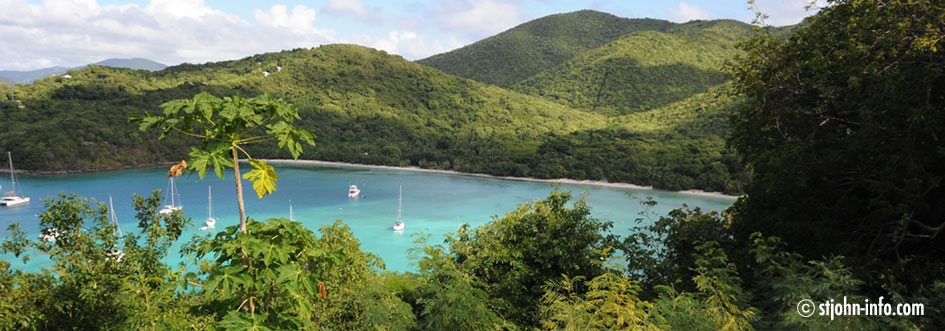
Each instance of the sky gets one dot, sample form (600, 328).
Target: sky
(42, 33)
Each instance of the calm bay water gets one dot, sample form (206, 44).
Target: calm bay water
(318, 194)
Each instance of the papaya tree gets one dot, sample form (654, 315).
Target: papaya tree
(223, 127)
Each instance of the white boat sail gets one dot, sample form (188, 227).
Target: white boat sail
(11, 198)
(211, 221)
(115, 253)
(399, 224)
(354, 192)
(174, 198)
(291, 213)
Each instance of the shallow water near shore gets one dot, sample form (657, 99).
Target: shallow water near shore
(432, 202)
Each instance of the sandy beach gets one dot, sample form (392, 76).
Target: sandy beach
(717, 195)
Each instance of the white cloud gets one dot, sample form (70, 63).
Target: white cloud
(300, 20)
(355, 8)
(477, 19)
(75, 32)
(787, 12)
(180, 8)
(340, 6)
(408, 44)
(683, 12)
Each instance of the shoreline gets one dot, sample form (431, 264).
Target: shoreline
(700, 193)
(30, 173)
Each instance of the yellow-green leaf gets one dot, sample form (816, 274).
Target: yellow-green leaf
(263, 176)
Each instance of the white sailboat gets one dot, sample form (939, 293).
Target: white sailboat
(115, 253)
(11, 198)
(174, 197)
(399, 224)
(111, 209)
(211, 222)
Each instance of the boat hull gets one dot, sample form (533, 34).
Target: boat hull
(170, 209)
(14, 202)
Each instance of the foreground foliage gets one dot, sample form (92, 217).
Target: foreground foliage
(843, 130)
(504, 275)
(225, 127)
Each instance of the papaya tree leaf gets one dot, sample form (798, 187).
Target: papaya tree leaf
(263, 176)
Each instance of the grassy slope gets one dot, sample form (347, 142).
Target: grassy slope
(525, 50)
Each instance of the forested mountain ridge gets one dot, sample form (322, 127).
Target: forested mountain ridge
(364, 106)
(525, 50)
(642, 70)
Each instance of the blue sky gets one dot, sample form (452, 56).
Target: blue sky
(36, 34)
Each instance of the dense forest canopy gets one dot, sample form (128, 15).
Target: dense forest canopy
(642, 70)
(532, 47)
(842, 129)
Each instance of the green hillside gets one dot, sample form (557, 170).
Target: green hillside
(349, 94)
(525, 50)
(364, 106)
(28, 76)
(642, 70)
(6, 81)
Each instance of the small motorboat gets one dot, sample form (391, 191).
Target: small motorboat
(49, 235)
(354, 192)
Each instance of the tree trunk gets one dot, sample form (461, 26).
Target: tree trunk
(239, 190)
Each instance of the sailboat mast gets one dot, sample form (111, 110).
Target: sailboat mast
(12, 176)
(209, 202)
(400, 200)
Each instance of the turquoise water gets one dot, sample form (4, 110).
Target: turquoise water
(431, 202)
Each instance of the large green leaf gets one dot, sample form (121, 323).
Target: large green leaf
(263, 176)
(204, 157)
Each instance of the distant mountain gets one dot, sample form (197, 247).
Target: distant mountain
(525, 50)
(642, 70)
(27, 77)
(6, 81)
(135, 63)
